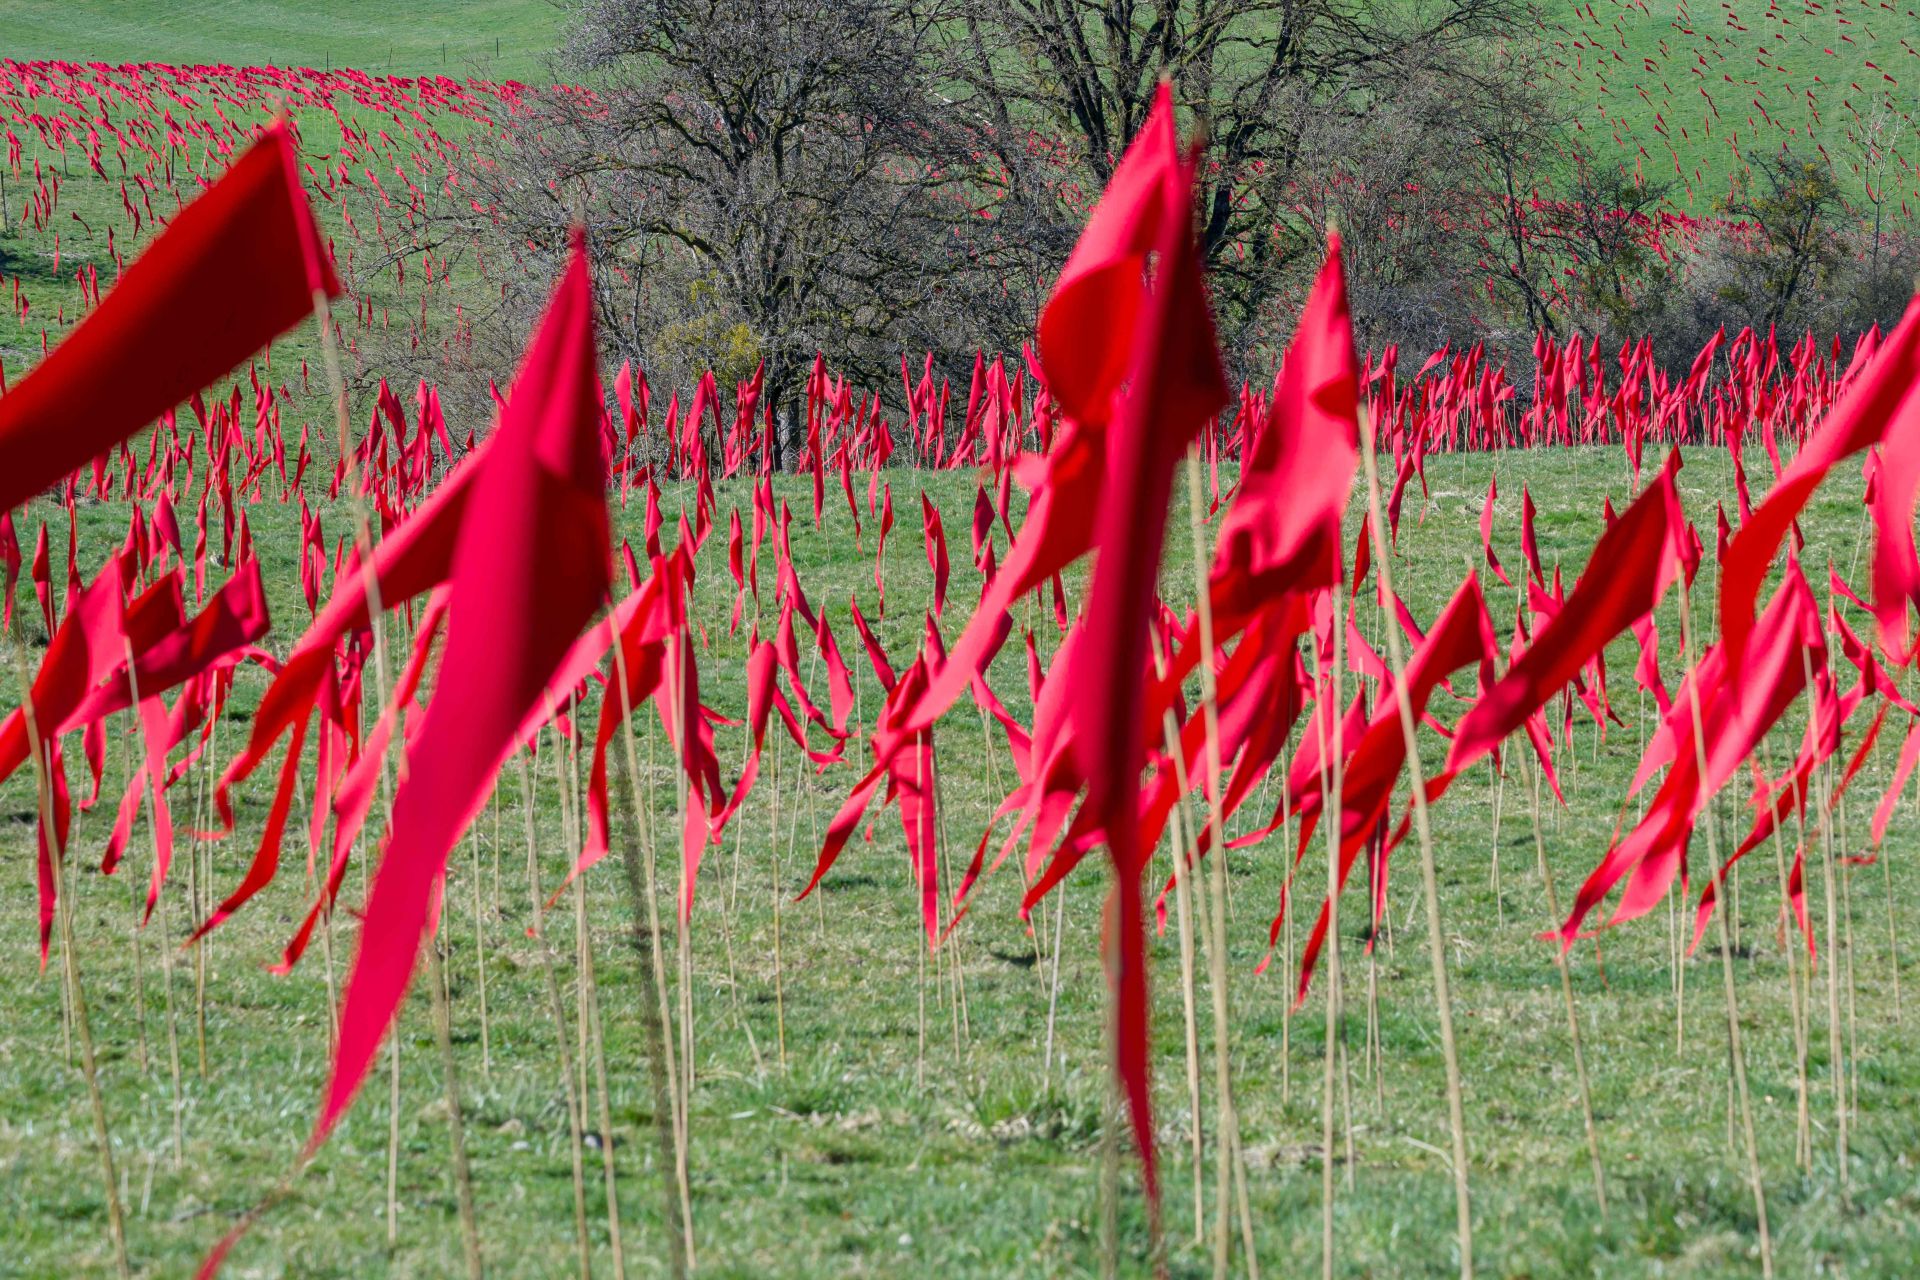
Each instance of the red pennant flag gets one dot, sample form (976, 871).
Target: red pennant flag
(1886, 389)
(1486, 532)
(530, 566)
(1624, 578)
(1160, 343)
(233, 269)
(1896, 566)
(935, 534)
(1284, 528)
(1740, 697)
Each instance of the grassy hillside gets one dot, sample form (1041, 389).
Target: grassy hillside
(1682, 90)
(499, 39)
(1691, 91)
(867, 1155)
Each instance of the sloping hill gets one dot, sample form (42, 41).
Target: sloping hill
(497, 39)
(1693, 90)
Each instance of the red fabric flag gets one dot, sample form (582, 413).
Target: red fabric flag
(1903, 770)
(10, 560)
(1886, 389)
(530, 566)
(1624, 578)
(1160, 343)
(1486, 531)
(1284, 528)
(1460, 636)
(233, 269)
(1896, 566)
(1740, 698)
(935, 534)
(413, 558)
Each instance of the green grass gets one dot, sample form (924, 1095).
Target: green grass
(844, 1162)
(1794, 73)
(497, 39)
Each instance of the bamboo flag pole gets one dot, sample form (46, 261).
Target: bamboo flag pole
(134, 923)
(543, 948)
(1184, 842)
(63, 901)
(779, 988)
(166, 949)
(1230, 1162)
(1566, 991)
(1796, 1002)
(363, 541)
(456, 1129)
(1734, 1050)
(656, 1015)
(479, 959)
(1332, 753)
(1429, 878)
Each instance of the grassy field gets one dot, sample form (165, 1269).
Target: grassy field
(1691, 91)
(497, 39)
(864, 1154)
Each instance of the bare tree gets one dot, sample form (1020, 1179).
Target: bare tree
(762, 179)
(1790, 203)
(1263, 74)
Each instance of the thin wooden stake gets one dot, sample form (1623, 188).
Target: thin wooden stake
(555, 1006)
(637, 857)
(1573, 1020)
(1429, 877)
(456, 1125)
(1229, 1168)
(645, 937)
(480, 957)
(1186, 845)
(63, 900)
(1735, 1052)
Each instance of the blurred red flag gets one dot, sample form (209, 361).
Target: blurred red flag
(1103, 329)
(1859, 418)
(530, 567)
(1283, 530)
(234, 269)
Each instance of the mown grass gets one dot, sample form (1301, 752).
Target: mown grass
(850, 1160)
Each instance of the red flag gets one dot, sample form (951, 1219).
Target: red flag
(1624, 578)
(1886, 389)
(1461, 635)
(935, 534)
(1486, 531)
(1283, 530)
(1740, 697)
(1160, 343)
(10, 559)
(530, 566)
(1896, 566)
(231, 271)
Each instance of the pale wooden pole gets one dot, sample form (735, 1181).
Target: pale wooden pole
(1429, 878)
(543, 948)
(1573, 1020)
(1230, 1166)
(1735, 1051)
(63, 902)
(637, 858)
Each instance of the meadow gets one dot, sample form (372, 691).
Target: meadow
(869, 1154)
(861, 1105)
